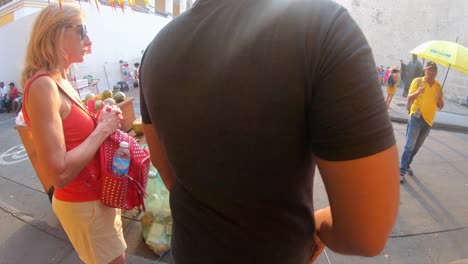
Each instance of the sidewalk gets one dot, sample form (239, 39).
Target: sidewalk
(453, 117)
(31, 240)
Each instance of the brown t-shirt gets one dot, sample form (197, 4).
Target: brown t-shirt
(243, 93)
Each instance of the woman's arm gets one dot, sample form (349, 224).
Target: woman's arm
(364, 198)
(44, 107)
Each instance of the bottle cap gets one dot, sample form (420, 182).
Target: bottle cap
(123, 144)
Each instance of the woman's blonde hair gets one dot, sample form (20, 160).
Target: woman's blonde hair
(45, 49)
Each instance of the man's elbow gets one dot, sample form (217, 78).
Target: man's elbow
(371, 247)
(374, 249)
(370, 239)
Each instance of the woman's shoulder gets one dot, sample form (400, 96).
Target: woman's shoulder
(40, 85)
(42, 79)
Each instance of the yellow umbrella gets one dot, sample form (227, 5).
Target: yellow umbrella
(447, 53)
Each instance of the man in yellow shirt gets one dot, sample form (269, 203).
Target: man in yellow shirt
(426, 99)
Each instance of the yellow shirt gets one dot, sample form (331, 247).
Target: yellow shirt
(427, 101)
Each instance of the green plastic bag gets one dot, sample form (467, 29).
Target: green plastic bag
(157, 220)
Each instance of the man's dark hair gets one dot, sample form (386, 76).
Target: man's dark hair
(12, 84)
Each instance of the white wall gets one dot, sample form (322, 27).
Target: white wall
(116, 35)
(13, 41)
(27, 10)
(393, 28)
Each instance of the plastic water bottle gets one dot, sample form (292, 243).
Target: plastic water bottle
(121, 161)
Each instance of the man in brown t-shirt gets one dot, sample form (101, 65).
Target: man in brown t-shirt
(240, 101)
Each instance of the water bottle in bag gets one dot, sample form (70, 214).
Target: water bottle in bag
(121, 161)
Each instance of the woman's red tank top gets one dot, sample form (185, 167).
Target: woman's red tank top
(77, 126)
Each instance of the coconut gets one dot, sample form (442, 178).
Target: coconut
(119, 97)
(137, 127)
(106, 94)
(97, 105)
(89, 96)
(111, 101)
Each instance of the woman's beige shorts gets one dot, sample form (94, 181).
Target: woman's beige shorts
(94, 229)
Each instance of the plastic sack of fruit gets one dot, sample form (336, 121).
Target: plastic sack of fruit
(157, 220)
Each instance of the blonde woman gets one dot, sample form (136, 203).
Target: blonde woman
(67, 137)
(392, 84)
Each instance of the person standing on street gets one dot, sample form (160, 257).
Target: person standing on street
(259, 94)
(426, 99)
(136, 75)
(4, 91)
(392, 84)
(67, 137)
(12, 96)
(388, 71)
(410, 71)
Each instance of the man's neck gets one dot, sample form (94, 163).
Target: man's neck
(430, 81)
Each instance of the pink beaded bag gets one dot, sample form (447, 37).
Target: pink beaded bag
(121, 192)
(124, 192)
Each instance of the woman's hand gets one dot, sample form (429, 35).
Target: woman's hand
(109, 119)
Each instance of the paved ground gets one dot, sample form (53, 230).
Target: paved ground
(432, 225)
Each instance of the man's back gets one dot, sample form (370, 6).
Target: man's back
(242, 94)
(414, 69)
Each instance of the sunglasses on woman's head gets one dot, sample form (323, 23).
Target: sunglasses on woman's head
(83, 30)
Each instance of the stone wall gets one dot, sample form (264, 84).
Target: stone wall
(393, 28)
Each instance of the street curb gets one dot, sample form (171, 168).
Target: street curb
(438, 126)
(15, 212)
(40, 225)
(461, 261)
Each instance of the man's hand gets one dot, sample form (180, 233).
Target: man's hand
(440, 99)
(439, 95)
(421, 89)
(319, 247)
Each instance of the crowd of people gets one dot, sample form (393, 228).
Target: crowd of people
(395, 76)
(11, 97)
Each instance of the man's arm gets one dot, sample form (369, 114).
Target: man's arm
(364, 198)
(414, 90)
(157, 151)
(158, 155)
(440, 99)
